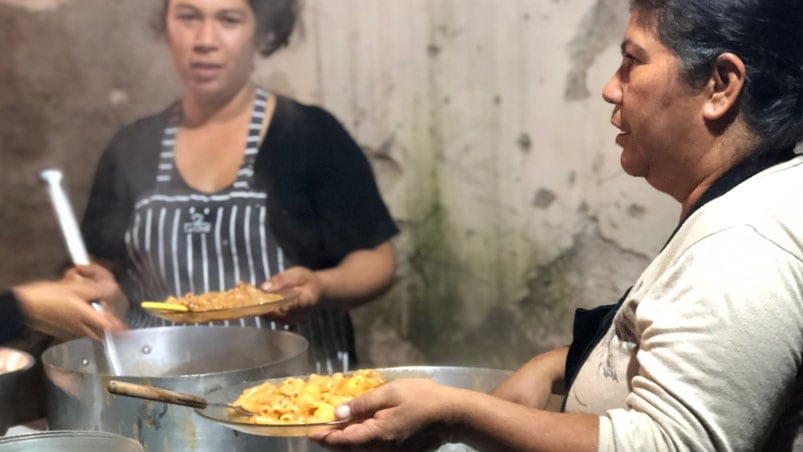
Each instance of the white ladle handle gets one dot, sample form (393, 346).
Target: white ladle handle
(64, 213)
(75, 245)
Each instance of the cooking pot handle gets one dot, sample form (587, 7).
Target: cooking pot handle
(157, 394)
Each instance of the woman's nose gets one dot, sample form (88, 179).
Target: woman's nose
(612, 92)
(206, 36)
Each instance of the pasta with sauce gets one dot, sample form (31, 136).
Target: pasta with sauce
(296, 401)
(240, 296)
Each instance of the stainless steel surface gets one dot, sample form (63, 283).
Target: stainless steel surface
(185, 358)
(13, 363)
(69, 441)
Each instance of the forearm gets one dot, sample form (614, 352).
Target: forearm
(492, 424)
(360, 276)
(552, 365)
(533, 383)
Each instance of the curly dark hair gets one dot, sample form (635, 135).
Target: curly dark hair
(766, 34)
(275, 22)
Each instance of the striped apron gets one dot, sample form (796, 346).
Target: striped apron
(183, 241)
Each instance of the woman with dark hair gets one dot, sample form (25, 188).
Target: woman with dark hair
(705, 351)
(275, 21)
(233, 183)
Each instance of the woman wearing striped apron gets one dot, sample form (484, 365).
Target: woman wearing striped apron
(234, 184)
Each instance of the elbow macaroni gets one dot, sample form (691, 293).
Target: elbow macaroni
(298, 402)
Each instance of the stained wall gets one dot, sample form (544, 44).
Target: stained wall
(482, 120)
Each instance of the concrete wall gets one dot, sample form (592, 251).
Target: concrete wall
(482, 119)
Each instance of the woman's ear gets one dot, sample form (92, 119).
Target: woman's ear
(725, 86)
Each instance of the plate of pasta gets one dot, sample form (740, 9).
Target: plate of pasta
(292, 406)
(244, 300)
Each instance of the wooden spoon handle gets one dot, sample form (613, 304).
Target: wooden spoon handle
(157, 394)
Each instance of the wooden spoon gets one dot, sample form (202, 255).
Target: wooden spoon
(164, 395)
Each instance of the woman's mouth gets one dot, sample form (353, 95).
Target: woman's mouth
(620, 137)
(622, 132)
(203, 71)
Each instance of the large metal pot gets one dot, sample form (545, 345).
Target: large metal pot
(187, 359)
(13, 363)
(69, 441)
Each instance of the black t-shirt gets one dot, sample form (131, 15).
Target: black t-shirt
(322, 196)
(11, 320)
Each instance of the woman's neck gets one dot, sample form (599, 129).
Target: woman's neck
(197, 111)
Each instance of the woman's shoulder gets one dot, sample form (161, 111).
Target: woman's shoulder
(301, 115)
(146, 126)
(138, 142)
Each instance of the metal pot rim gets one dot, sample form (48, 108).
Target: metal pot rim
(62, 434)
(47, 358)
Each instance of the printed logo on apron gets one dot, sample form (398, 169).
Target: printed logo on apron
(198, 224)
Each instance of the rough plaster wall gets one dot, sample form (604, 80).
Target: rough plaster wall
(482, 119)
(71, 75)
(498, 160)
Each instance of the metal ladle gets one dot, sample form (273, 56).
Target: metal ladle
(75, 244)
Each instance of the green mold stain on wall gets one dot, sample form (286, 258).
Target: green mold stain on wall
(431, 303)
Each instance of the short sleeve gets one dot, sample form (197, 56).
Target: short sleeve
(108, 209)
(345, 195)
(323, 201)
(126, 170)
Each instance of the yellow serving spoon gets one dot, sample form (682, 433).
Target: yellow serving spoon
(160, 306)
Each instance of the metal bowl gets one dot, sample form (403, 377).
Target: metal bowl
(13, 363)
(69, 441)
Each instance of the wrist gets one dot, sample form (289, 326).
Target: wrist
(450, 416)
(452, 411)
(22, 297)
(324, 284)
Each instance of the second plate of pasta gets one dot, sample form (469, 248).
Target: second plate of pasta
(292, 406)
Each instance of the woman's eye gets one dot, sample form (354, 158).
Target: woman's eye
(628, 61)
(186, 17)
(230, 20)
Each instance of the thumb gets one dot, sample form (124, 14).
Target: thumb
(288, 278)
(275, 283)
(362, 407)
(343, 412)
